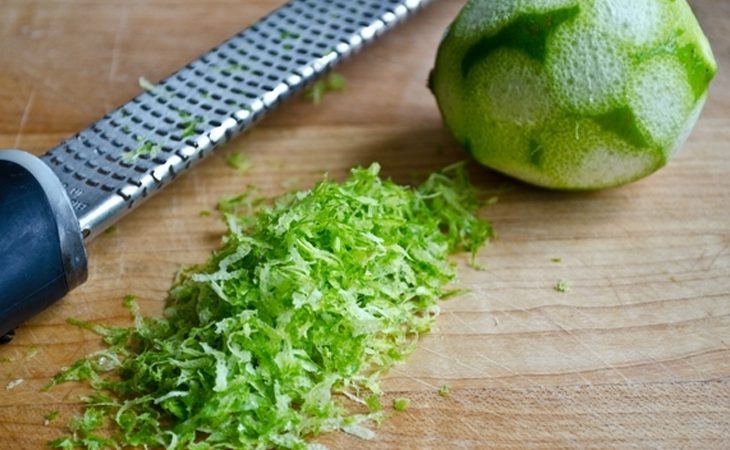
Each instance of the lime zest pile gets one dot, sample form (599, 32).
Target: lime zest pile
(286, 330)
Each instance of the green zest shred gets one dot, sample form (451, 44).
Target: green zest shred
(563, 285)
(238, 162)
(147, 85)
(284, 333)
(32, 352)
(146, 147)
(401, 404)
(189, 124)
(50, 417)
(330, 83)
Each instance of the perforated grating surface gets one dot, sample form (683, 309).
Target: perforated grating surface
(112, 166)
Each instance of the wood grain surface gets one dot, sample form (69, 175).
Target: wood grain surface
(635, 355)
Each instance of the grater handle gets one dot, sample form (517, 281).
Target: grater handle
(42, 254)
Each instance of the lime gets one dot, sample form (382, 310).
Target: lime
(573, 94)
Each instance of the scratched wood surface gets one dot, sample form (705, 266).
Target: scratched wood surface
(635, 355)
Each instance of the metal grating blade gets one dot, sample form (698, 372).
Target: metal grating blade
(114, 165)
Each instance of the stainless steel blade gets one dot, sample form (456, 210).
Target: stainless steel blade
(111, 167)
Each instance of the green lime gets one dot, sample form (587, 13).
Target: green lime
(573, 94)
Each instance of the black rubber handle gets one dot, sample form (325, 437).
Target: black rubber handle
(42, 254)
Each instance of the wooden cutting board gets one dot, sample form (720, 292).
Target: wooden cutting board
(635, 355)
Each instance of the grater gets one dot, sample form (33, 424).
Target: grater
(50, 206)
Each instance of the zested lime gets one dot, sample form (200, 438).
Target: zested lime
(573, 94)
